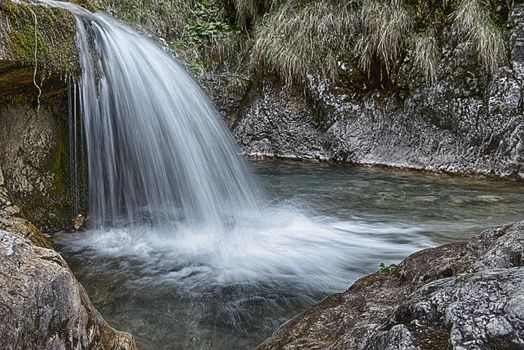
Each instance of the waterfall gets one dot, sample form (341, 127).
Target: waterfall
(156, 147)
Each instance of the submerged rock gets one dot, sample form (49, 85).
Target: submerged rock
(42, 305)
(465, 296)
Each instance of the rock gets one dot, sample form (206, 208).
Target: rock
(464, 295)
(79, 222)
(9, 220)
(467, 122)
(45, 305)
(34, 145)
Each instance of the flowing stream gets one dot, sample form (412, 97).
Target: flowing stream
(186, 250)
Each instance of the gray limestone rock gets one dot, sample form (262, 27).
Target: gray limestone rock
(467, 122)
(461, 296)
(42, 305)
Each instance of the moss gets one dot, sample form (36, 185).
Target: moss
(56, 52)
(60, 166)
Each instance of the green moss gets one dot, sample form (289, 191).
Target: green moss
(60, 166)
(56, 51)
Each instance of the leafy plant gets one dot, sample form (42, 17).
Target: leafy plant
(386, 269)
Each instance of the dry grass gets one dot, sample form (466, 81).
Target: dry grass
(165, 17)
(426, 55)
(249, 10)
(473, 20)
(295, 41)
(385, 27)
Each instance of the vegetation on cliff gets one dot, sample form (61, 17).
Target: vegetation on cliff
(293, 39)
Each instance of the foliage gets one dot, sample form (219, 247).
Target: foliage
(247, 11)
(210, 43)
(166, 17)
(384, 28)
(426, 52)
(387, 269)
(295, 39)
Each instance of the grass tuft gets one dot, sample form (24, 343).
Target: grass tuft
(248, 11)
(384, 29)
(166, 17)
(297, 40)
(472, 19)
(426, 55)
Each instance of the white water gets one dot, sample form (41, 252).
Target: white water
(165, 178)
(156, 149)
(175, 202)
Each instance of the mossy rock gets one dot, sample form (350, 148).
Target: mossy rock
(55, 36)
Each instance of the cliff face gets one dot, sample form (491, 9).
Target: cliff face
(34, 108)
(468, 121)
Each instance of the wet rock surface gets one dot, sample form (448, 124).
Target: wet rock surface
(45, 305)
(461, 296)
(10, 220)
(34, 146)
(35, 162)
(467, 122)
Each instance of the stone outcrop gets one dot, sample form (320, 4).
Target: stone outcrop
(462, 296)
(42, 305)
(10, 220)
(34, 144)
(467, 122)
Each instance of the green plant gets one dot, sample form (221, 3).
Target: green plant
(166, 17)
(386, 269)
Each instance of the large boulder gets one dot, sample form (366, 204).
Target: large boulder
(462, 296)
(42, 305)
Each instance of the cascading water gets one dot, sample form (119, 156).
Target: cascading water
(156, 148)
(180, 218)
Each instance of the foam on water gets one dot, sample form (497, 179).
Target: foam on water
(281, 246)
